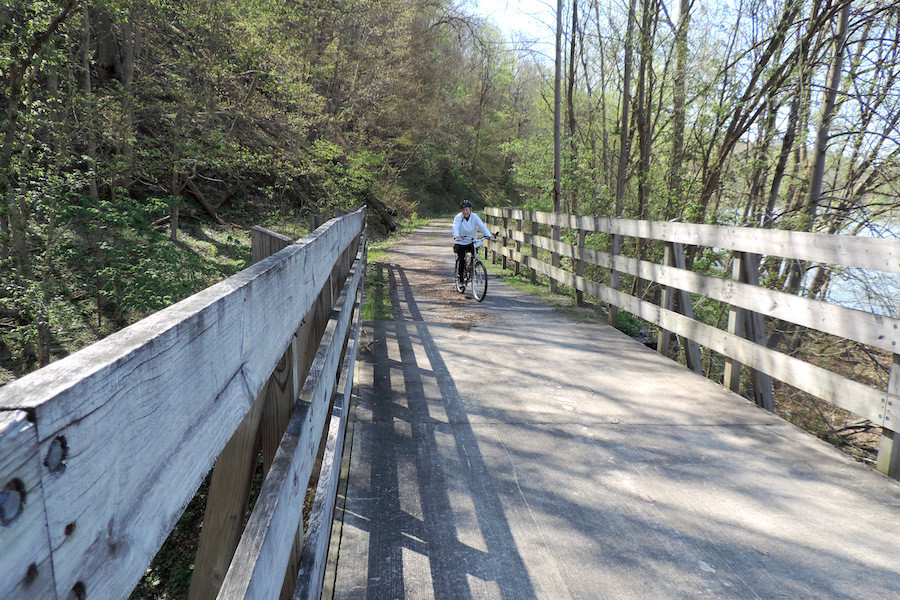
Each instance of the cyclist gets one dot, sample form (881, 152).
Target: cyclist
(465, 228)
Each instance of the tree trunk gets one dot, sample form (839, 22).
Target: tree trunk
(570, 104)
(86, 88)
(748, 106)
(557, 117)
(624, 146)
(642, 124)
(787, 143)
(817, 172)
(676, 162)
(817, 167)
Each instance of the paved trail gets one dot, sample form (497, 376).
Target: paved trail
(501, 451)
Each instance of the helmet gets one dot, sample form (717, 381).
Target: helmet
(465, 204)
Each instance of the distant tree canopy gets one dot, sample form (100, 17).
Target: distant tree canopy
(119, 113)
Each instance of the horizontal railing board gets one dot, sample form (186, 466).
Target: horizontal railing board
(258, 567)
(25, 569)
(852, 251)
(840, 391)
(146, 410)
(866, 328)
(315, 551)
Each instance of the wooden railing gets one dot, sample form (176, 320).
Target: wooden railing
(744, 342)
(100, 452)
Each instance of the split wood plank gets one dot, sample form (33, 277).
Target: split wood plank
(25, 569)
(232, 475)
(148, 409)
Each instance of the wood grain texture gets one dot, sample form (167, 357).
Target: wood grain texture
(258, 568)
(875, 330)
(229, 489)
(25, 570)
(845, 393)
(852, 251)
(147, 410)
(315, 552)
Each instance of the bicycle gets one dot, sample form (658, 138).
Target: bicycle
(475, 273)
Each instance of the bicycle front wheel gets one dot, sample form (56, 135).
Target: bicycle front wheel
(460, 284)
(479, 280)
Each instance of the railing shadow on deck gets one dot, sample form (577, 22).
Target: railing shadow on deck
(408, 503)
(101, 451)
(432, 536)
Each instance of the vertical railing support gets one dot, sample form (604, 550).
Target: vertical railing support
(505, 237)
(534, 249)
(614, 278)
(579, 266)
(732, 375)
(667, 301)
(748, 324)
(518, 245)
(889, 448)
(554, 255)
(682, 302)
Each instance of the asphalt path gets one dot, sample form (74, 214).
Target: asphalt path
(500, 450)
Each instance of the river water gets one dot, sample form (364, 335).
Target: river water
(872, 291)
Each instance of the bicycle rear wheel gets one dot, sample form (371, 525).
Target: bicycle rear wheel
(460, 284)
(479, 280)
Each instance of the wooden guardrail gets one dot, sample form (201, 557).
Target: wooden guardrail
(744, 342)
(100, 452)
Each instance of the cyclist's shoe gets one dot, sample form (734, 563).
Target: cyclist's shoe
(460, 285)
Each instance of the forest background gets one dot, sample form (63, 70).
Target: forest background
(141, 139)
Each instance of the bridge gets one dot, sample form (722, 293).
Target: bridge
(492, 450)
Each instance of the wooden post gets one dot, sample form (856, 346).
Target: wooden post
(493, 252)
(732, 376)
(505, 234)
(518, 245)
(554, 256)
(889, 448)
(614, 279)
(534, 251)
(316, 221)
(229, 489)
(755, 329)
(667, 301)
(579, 267)
(683, 301)
(749, 325)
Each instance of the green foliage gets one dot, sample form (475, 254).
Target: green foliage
(169, 576)
(377, 306)
(533, 170)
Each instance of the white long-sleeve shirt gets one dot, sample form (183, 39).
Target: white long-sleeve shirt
(467, 229)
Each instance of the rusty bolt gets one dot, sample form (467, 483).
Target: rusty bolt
(56, 455)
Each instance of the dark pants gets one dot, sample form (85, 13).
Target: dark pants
(461, 250)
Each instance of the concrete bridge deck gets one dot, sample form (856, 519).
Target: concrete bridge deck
(501, 451)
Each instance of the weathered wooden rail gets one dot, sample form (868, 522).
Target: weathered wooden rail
(100, 452)
(744, 342)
